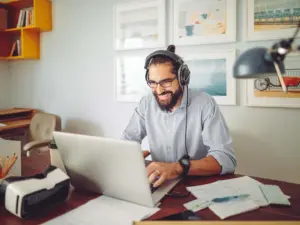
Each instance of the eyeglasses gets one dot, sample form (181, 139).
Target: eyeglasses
(164, 83)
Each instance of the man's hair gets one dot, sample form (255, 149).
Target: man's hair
(164, 60)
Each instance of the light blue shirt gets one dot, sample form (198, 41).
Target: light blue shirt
(207, 131)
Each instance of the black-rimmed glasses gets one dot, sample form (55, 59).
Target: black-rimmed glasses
(163, 83)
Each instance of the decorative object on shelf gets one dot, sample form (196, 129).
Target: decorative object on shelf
(211, 72)
(204, 22)
(26, 19)
(271, 19)
(130, 84)
(140, 24)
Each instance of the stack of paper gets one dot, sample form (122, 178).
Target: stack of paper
(260, 195)
(104, 210)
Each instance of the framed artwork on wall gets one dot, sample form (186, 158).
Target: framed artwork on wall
(271, 19)
(130, 83)
(140, 24)
(204, 21)
(267, 92)
(211, 72)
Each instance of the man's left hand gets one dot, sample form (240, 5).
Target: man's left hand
(162, 172)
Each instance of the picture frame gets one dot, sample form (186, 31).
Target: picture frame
(139, 24)
(130, 83)
(215, 69)
(203, 22)
(269, 93)
(271, 19)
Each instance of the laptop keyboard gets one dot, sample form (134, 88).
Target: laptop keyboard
(153, 188)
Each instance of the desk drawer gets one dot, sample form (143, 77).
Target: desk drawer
(20, 134)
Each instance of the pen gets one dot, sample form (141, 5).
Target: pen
(12, 158)
(6, 162)
(229, 198)
(7, 169)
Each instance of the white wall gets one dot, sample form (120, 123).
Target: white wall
(74, 79)
(5, 85)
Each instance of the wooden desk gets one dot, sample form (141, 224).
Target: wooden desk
(16, 121)
(39, 161)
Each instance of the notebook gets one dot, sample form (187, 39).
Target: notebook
(274, 195)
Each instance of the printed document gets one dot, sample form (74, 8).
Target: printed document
(104, 210)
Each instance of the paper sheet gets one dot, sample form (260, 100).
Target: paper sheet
(235, 186)
(104, 210)
(231, 208)
(196, 205)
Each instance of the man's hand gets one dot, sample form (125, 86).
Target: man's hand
(146, 153)
(163, 172)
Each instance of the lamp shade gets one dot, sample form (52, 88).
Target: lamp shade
(254, 63)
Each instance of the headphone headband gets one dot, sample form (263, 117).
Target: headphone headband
(183, 73)
(166, 53)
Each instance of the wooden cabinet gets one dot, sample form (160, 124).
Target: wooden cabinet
(14, 124)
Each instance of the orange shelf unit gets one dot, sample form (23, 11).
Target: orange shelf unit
(37, 19)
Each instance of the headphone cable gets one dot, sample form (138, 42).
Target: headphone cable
(187, 99)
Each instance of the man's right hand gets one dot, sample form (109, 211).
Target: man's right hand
(146, 153)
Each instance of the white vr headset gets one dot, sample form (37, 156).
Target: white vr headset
(28, 196)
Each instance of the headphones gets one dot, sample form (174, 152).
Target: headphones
(183, 73)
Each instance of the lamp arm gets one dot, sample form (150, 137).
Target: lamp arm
(296, 33)
(280, 49)
(280, 77)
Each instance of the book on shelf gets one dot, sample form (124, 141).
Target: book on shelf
(16, 48)
(3, 19)
(26, 17)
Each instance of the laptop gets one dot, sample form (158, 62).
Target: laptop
(115, 168)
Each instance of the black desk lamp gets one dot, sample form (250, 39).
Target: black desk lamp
(263, 62)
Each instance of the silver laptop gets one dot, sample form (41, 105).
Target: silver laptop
(115, 168)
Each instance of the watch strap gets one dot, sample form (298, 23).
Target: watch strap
(185, 166)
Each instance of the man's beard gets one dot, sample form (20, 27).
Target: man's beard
(174, 99)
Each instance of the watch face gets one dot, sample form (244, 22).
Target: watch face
(185, 161)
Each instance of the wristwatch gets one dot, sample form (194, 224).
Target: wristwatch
(184, 161)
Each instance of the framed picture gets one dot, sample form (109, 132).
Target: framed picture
(140, 24)
(211, 72)
(130, 83)
(271, 19)
(267, 92)
(203, 21)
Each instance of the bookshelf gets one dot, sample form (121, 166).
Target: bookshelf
(25, 20)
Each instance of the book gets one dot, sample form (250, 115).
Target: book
(26, 17)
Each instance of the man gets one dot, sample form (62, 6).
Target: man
(186, 131)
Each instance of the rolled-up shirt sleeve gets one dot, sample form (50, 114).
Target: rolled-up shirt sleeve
(217, 138)
(136, 129)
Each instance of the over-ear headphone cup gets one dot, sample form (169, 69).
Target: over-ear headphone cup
(184, 75)
(146, 76)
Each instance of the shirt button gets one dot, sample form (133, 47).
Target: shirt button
(169, 149)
